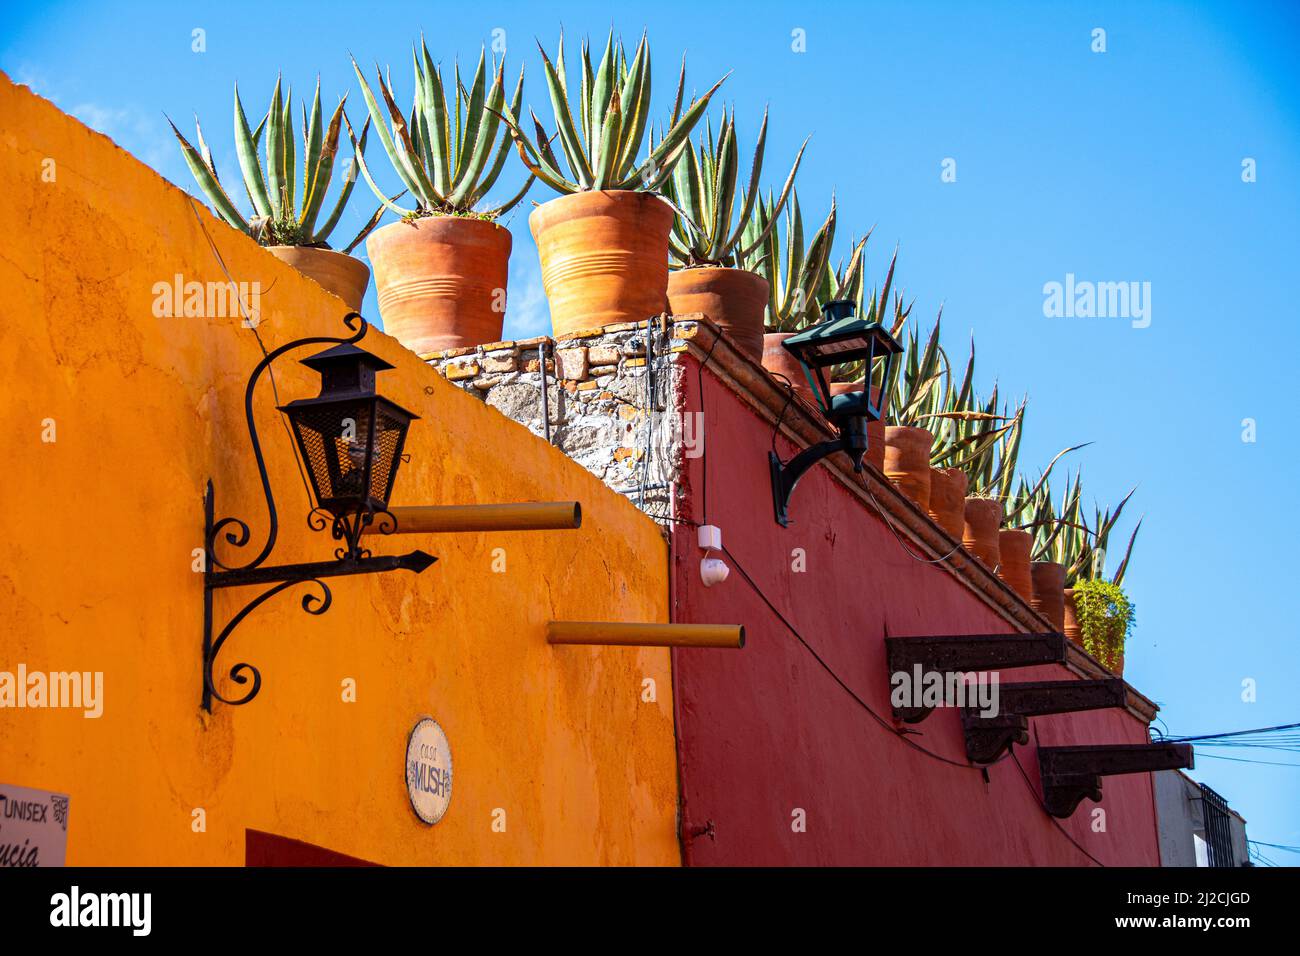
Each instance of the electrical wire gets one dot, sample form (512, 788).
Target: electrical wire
(906, 550)
(1055, 822)
(1275, 739)
(1266, 763)
(704, 462)
(252, 326)
(895, 732)
(1275, 846)
(1235, 733)
(1259, 857)
(789, 397)
(839, 680)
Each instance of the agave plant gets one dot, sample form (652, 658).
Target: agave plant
(707, 232)
(283, 215)
(446, 151)
(792, 291)
(985, 443)
(1029, 507)
(850, 282)
(980, 437)
(601, 147)
(1064, 535)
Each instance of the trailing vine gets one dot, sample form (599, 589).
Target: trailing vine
(1106, 617)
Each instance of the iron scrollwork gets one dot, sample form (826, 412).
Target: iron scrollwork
(349, 559)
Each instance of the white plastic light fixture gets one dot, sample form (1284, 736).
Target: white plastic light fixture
(712, 570)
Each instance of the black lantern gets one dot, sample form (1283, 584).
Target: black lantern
(351, 441)
(350, 438)
(837, 340)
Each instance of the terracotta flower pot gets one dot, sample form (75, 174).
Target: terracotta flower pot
(1048, 581)
(980, 534)
(334, 272)
(779, 361)
(734, 300)
(604, 257)
(1070, 620)
(1014, 548)
(441, 281)
(907, 461)
(948, 499)
(843, 388)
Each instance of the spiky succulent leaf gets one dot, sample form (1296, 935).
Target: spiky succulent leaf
(206, 176)
(600, 147)
(360, 159)
(249, 164)
(446, 152)
(282, 214)
(320, 170)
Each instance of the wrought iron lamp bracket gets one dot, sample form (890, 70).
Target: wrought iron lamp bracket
(349, 559)
(786, 476)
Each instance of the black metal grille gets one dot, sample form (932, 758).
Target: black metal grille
(1218, 828)
(336, 462)
(352, 450)
(390, 431)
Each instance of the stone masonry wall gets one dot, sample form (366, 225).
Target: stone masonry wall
(610, 406)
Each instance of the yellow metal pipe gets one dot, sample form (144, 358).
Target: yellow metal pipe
(646, 635)
(526, 516)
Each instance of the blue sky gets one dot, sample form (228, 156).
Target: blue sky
(1122, 166)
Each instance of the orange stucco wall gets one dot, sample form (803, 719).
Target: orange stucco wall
(96, 573)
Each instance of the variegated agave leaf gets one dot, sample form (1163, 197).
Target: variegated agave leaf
(450, 149)
(794, 272)
(286, 208)
(601, 142)
(713, 210)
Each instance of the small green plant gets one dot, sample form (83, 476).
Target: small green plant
(283, 215)
(792, 290)
(1106, 617)
(707, 231)
(446, 152)
(601, 146)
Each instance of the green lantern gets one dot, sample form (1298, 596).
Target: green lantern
(838, 339)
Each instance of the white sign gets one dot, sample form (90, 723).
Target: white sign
(428, 770)
(33, 827)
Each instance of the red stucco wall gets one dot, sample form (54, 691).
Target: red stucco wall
(766, 731)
